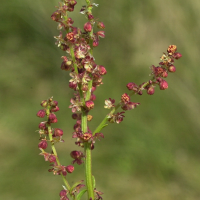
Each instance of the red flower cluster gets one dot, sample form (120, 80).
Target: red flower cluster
(85, 74)
(159, 73)
(55, 135)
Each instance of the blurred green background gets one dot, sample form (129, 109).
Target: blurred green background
(155, 153)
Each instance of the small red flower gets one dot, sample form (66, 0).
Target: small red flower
(77, 155)
(44, 103)
(88, 27)
(42, 125)
(125, 98)
(95, 43)
(90, 17)
(89, 104)
(172, 68)
(109, 103)
(101, 25)
(63, 193)
(70, 168)
(52, 118)
(87, 136)
(150, 90)
(177, 55)
(102, 70)
(58, 132)
(43, 144)
(41, 113)
(70, 37)
(52, 158)
(132, 86)
(72, 2)
(163, 85)
(55, 109)
(129, 106)
(56, 16)
(171, 49)
(101, 34)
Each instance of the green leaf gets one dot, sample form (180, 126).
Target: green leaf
(80, 194)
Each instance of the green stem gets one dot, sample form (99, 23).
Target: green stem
(102, 124)
(88, 170)
(88, 158)
(87, 146)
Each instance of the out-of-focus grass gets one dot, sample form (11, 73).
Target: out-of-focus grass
(154, 153)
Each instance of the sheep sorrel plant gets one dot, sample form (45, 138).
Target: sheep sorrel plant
(86, 76)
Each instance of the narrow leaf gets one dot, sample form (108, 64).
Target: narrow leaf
(80, 194)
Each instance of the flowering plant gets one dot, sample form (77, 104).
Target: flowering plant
(86, 76)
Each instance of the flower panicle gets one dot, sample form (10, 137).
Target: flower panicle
(159, 74)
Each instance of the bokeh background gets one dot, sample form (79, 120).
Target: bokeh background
(155, 153)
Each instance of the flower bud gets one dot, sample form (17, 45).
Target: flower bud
(177, 55)
(42, 125)
(150, 90)
(92, 97)
(163, 85)
(44, 103)
(43, 144)
(93, 88)
(41, 113)
(54, 103)
(164, 74)
(140, 92)
(90, 17)
(52, 158)
(76, 154)
(66, 65)
(102, 70)
(172, 68)
(70, 8)
(74, 116)
(95, 43)
(63, 193)
(58, 132)
(70, 168)
(72, 2)
(159, 79)
(72, 85)
(101, 25)
(55, 109)
(69, 21)
(56, 16)
(52, 118)
(88, 27)
(132, 86)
